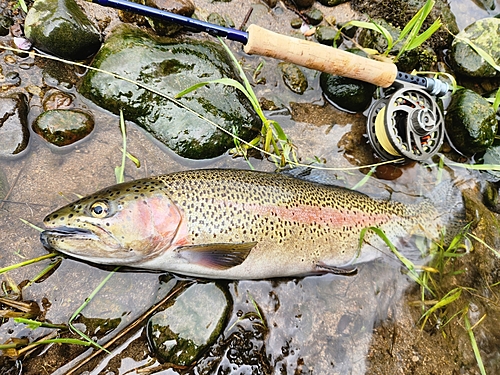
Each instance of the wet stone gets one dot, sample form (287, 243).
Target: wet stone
(5, 24)
(216, 19)
(98, 327)
(347, 93)
(183, 7)
(62, 127)
(303, 3)
(14, 132)
(492, 197)
(56, 99)
(296, 23)
(293, 77)
(326, 35)
(313, 16)
(61, 28)
(470, 122)
(332, 3)
(492, 156)
(399, 13)
(169, 66)
(12, 79)
(180, 333)
(485, 34)
(373, 39)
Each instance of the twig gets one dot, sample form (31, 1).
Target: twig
(131, 326)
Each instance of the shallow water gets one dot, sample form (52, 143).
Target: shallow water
(317, 325)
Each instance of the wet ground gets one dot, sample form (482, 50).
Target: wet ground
(364, 324)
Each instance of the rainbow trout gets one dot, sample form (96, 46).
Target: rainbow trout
(232, 224)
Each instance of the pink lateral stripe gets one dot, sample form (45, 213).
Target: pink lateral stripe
(328, 216)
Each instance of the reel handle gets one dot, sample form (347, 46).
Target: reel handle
(319, 57)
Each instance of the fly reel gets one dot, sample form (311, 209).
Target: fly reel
(406, 124)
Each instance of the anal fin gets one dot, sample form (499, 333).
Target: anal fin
(219, 256)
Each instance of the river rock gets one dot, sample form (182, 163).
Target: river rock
(347, 93)
(420, 58)
(399, 12)
(169, 66)
(293, 77)
(180, 333)
(332, 3)
(60, 27)
(470, 122)
(491, 195)
(62, 127)
(5, 24)
(303, 3)
(314, 16)
(485, 34)
(326, 34)
(14, 132)
(183, 7)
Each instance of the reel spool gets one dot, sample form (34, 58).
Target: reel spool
(406, 124)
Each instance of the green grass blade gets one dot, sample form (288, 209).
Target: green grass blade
(451, 296)
(496, 103)
(23, 6)
(33, 324)
(28, 262)
(420, 39)
(133, 159)
(192, 88)
(481, 52)
(371, 26)
(32, 225)
(379, 232)
(83, 305)
(365, 179)
(473, 342)
(120, 171)
(484, 244)
(240, 70)
(44, 272)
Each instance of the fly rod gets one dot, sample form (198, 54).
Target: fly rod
(262, 42)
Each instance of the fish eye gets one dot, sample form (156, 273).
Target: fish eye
(99, 209)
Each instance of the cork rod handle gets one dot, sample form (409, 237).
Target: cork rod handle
(319, 57)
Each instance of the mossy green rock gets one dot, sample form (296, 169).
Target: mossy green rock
(60, 27)
(326, 34)
(465, 60)
(399, 13)
(470, 122)
(5, 24)
(293, 77)
(169, 66)
(62, 127)
(313, 16)
(347, 93)
(180, 333)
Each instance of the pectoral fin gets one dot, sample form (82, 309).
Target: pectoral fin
(347, 271)
(217, 255)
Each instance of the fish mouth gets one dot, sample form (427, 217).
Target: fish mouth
(48, 236)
